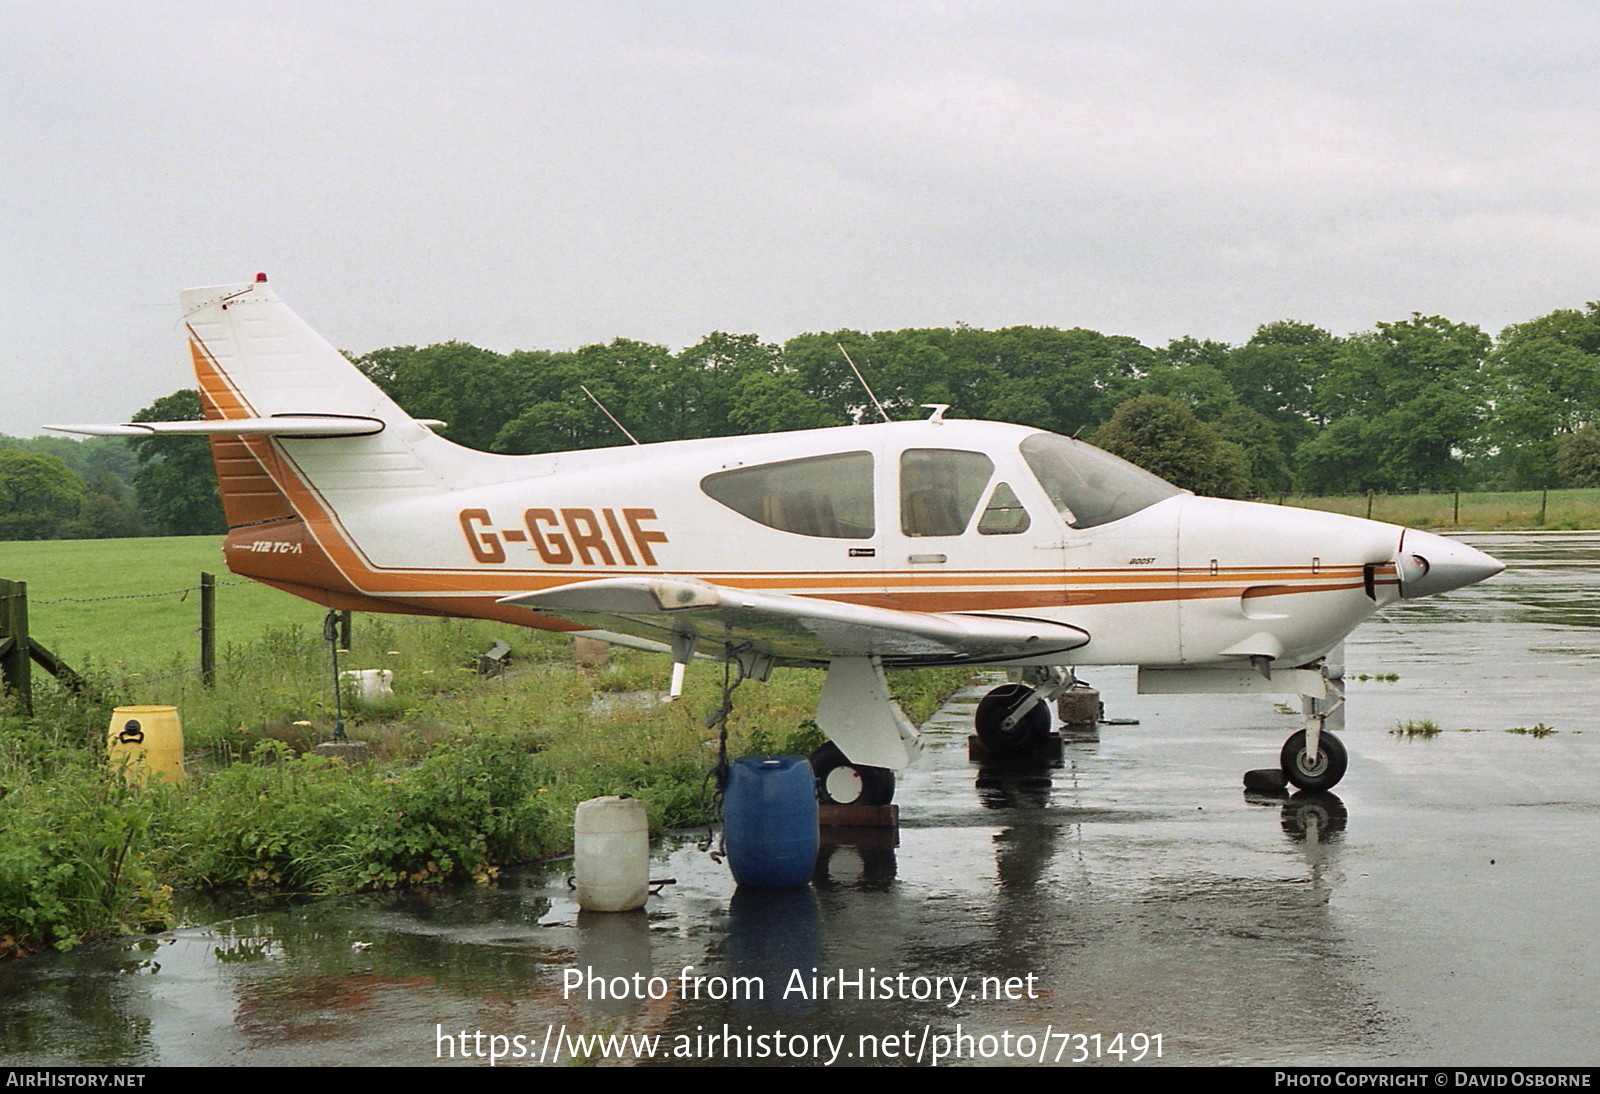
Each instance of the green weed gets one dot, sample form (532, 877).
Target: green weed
(73, 863)
(1424, 727)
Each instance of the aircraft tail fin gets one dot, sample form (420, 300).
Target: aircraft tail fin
(316, 465)
(254, 357)
(266, 381)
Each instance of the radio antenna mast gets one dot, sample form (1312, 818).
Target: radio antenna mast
(863, 380)
(608, 414)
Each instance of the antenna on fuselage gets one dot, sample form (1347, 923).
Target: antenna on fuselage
(608, 414)
(863, 380)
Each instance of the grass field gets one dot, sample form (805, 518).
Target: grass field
(137, 601)
(128, 612)
(1504, 511)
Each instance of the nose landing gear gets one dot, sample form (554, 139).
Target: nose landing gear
(1320, 773)
(1313, 758)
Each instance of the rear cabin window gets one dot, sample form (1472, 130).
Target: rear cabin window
(940, 489)
(825, 496)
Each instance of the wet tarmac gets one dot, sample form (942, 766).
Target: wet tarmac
(1130, 904)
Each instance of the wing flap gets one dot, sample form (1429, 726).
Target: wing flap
(797, 630)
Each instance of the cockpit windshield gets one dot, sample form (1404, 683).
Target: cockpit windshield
(1090, 487)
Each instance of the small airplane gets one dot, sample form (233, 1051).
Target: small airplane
(903, 544)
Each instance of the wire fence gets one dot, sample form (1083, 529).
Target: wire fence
(20, 651)
(182, 595)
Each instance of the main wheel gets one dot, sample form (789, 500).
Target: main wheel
(840, 782)
(1322, 775)
(1030, 730)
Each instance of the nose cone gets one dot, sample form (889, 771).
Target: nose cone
(1432, 564)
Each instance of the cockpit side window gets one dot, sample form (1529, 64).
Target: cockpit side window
(826, 496)
(939, 490)
(1003, 514)
(1090, 487)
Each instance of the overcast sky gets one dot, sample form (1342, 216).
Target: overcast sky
(547, 175)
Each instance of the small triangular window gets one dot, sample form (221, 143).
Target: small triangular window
(1003, 515)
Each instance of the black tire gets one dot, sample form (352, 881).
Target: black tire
(840, 782)
(1029, 733)
(1325, 773)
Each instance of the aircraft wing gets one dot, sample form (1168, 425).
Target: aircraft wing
(796, 630)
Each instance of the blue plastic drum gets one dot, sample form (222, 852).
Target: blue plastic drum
(769, 817)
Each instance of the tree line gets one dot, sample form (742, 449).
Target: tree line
(1418, 404)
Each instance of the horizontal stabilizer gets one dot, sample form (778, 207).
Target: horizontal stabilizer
(797, 630)
(283, 425)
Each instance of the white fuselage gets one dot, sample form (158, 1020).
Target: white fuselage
(1183, 581)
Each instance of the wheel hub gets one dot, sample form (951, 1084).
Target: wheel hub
(843, 784)
(1313, 768)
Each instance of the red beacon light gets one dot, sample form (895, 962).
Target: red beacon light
(260, 277)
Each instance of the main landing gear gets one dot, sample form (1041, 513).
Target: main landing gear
(840, 782)
(1014, 719)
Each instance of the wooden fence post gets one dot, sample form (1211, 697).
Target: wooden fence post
(16, 661)
(208, 629)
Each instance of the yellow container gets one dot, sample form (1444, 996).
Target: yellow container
(149, 741)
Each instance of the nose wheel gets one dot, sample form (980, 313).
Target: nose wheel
(1313, 758)
(1321, 773)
